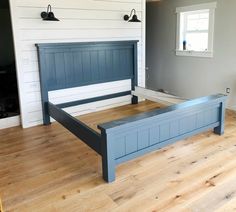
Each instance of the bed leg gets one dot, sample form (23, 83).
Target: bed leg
(220, 129)
(134, 100)
(46, 117)
(46, 120)
(108, 162)
(108, 171)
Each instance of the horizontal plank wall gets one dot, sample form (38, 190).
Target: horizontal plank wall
(80, 21)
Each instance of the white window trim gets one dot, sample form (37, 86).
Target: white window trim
(209, 54)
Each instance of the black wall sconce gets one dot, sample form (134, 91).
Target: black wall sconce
(134, 17)
(49, 15)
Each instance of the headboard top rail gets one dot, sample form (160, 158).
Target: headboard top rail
(76, 44)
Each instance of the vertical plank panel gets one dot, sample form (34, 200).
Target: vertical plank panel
(60, 69)
(154, 134)
(51, 75)
(116, 62)
(94, 65)
(119, 147)
(200, 119)
(102, 64)
(109, 64)
(164, 131)
(70, 76)
(174, 128)
(131, 142)
(78, 67)
(143, 139)
(86, 67)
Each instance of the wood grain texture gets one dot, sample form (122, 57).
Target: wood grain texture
(48, 169)
(1, 209)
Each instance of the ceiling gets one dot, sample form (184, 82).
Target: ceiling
(4, 4)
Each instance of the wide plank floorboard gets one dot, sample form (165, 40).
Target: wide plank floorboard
(46, 168)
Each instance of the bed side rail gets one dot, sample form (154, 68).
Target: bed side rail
(159, 97)
(78, 128)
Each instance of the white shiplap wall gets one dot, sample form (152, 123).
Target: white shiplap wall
(80, 21)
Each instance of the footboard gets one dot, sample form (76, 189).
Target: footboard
(129, 138)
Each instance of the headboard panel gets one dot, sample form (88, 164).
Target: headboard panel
(68, 65)
(77, 64)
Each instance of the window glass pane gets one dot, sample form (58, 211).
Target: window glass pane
(197, 41)
(204, 15)
(197, 21)
(203, 24)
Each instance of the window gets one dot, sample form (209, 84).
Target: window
(195, 30)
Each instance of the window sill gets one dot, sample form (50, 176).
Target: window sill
(206, 54)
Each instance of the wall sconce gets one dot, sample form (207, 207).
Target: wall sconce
(134, 17)
(49, 15)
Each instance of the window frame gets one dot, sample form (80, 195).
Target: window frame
(194, 8)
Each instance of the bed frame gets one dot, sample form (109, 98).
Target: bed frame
(69, 65)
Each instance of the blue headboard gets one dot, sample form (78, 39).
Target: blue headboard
(68, 65)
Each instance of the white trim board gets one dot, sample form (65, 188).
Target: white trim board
(211, 5)
(10, 122)
(156, 96)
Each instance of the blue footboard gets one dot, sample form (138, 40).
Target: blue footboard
(128, 138)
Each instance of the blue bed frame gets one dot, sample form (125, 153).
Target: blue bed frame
(69, 65)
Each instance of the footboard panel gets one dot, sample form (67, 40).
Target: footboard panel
(157, 131)
(129, 138)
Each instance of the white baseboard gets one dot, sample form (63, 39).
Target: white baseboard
(231, 108)
(10, 122)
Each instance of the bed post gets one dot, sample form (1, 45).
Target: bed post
(220, 129)
(46, 117)
(43, 85)
(135, 77)
(108, 161)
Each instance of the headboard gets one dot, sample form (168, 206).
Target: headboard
(68, 65)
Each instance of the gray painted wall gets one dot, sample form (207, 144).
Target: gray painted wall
(191, 77)
(6, 40)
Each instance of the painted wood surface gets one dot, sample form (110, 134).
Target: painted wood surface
(80, 21)
(132, 137)
(78, 128)
(78, 64)
(48, 169)
(155, 96)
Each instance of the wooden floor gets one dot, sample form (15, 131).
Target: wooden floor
(48, 169)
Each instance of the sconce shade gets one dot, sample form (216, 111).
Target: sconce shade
(49, 15)
(134, 17)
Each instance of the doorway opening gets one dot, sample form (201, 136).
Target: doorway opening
(9, 100)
